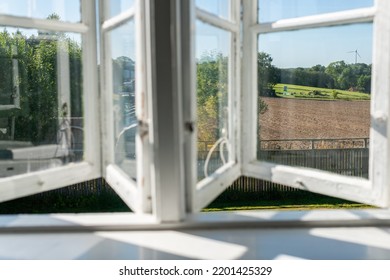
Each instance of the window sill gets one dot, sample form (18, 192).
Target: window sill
(27, 223)
(360, 234)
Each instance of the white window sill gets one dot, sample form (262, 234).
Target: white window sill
(358, 234)
(210, 220)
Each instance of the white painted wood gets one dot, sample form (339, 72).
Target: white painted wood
(124, 186)
(216, 21)
(313, 180)
(249, 95)
(211, 187)
(10, 168)
(322, 20)
(52, 178)
(38, 152)
(118, 20)
(188, 68)
(91, 97)
(233, 125)
(43, 24)
(167, 127)
(107, 117)
(63, 95)
(142, 103)
(41, 181)
(374, 191)
(380, 99)
(135, 194)
(63, 79)
(15, 76)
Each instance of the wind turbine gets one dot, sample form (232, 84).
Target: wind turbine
(356, 55)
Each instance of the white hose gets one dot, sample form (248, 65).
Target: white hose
(221, 141)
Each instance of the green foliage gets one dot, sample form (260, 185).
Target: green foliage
(337, 75)
(268, 74)
(37, 65)
(335, 94)
(319, 93)
(212, 95)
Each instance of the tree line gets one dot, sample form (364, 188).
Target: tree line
(337, 75)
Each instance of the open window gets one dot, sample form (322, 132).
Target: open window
(124, 74)
(217, 59)
(49, 97)
(188, 102)
(278, 44)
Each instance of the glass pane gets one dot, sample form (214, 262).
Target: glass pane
(273, 10)
(220, 8)
(213, 55)
(123, 75)
(119, 6)
(65, 10)
(41, 118)
(314, 98)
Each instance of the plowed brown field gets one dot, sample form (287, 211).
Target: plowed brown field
(314, 119)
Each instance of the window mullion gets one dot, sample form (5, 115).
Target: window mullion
(249, 85)
(90, 85)
(167, 128)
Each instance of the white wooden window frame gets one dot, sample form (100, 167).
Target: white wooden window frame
(213, 185)
(90, 168)
(136, 194)
(166, 188)
(375, 190)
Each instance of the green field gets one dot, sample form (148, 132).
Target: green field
(295, 91)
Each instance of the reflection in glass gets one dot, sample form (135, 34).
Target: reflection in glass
(41, 118)
(273, 10)
(123, 75)
(65, 10)
(119, 6)
(212, 97)
(314, 98)
(220, 8)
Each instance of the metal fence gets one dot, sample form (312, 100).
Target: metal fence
(346, 161)
(341, 156)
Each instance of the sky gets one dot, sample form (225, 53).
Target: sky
(303, 48)
(292, 49)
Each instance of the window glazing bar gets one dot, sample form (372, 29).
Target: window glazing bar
(118, 20)
(324, 20)
(216, 21)
(50, 25)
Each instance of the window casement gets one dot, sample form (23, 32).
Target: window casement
(375, 189)
(137, 108)
(217, 142)
(124, 82)
(49, 117)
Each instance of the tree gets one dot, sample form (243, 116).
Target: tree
(268, 74)
(212, 95)
(36, 58)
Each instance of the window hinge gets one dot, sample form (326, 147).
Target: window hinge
(143, 128)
